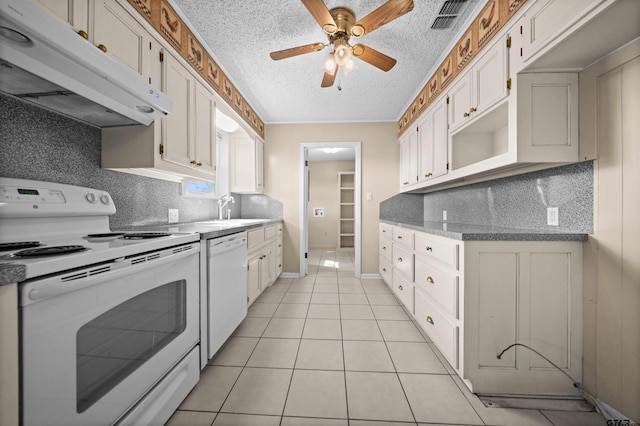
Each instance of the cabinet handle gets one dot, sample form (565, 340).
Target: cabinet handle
(400, 288)
(279, 245)
(399, 259)
(102, 47)
(384, 248)
(192, 161)
(406, 183)
(384, 269)
(83, 34)
(199, 164)
(465, 115)
(430, 320)
(430, 280)
(429, 248)
(428, 174)
(473, 109)
(280, 265)
(399, 237)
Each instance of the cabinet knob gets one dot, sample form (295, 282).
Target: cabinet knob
(430, 320)
(102, 47)
(384, 248)
(192, 161)
(83, 34)
(430, 280)
(400, 288)
(384, 269)
(428, 174)
(280, 265)
(473, 109)
(199, 164)
(465, 115)
(429, 248)
(399, 259)
(399, 237)
(406, 183)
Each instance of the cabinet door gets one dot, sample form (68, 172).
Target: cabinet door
(176, 129)
(259, 159)
(253, 279)
(125, 39)
(440, 139)
(425, 137)
(489, 78)
(242, 152)
(460, 101)
(205, 129)
(73, 12)
(409, 159)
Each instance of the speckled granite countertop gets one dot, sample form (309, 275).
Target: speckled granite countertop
(208, 229)
(464, 232)
(11, 273)
(15, 273)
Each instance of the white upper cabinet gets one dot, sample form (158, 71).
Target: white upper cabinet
(205, 138)
(110, 27)
(433, 141)
(409, 158)
(178, 84)
(246, 155)
(480, 88)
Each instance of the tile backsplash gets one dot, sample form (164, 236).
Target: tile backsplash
(519, 201)
(41, 145)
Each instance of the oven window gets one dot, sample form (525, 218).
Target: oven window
(115, 344)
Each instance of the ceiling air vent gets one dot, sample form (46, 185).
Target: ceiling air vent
(448, 13)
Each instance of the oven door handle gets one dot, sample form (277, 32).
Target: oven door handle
(88, 277)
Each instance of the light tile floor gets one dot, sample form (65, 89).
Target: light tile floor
(329, 349)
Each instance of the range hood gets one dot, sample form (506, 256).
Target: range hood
(45, 62)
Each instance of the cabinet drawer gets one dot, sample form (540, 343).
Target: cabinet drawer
(440, 285)
(255, 237)
(385, 270)
(443, 250)
(444, 334)
(403, 290)
(385, 248)
(403, 260)
(270, 232)
(403, 236)
(386, 230)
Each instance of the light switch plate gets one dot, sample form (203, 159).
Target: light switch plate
(552, 216)
(173, 215)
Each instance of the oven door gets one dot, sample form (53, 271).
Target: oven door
(94, 341)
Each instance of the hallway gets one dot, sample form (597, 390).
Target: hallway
(330, 349)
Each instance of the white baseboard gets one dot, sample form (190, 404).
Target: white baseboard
(289, 275)
(370, 276)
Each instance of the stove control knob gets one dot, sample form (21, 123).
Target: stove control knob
(104, 199)
(91, 197)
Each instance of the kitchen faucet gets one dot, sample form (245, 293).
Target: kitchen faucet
(222, 203)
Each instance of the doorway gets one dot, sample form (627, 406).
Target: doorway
(347, 231)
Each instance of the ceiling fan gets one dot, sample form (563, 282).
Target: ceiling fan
(340, 24)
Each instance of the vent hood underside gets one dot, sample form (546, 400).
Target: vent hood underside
(26, 86)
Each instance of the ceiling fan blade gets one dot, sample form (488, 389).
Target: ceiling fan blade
(295, 51)
(373, 57)
(321, 14)
(386, 13)
(328, 79)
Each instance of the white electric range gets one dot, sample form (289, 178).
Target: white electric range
(109, 322)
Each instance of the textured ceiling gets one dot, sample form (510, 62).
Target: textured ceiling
(240, 35)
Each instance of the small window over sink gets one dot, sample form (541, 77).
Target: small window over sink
(198, 189)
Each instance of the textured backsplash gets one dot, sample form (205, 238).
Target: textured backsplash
(40, 145)
(519, 201)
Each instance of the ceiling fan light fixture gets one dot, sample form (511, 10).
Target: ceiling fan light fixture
(329, 65)
(349, 66)
(342, 53)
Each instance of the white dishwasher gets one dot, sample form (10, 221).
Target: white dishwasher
(227, 272)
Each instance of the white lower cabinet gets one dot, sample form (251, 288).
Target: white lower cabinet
(476, 298)
(264, 265)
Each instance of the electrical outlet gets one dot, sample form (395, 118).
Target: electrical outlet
(444, 215)
(552, 216)
(173, 216)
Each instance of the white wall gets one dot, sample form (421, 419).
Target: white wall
(380, 171)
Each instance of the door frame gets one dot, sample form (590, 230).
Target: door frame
(304, 196)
